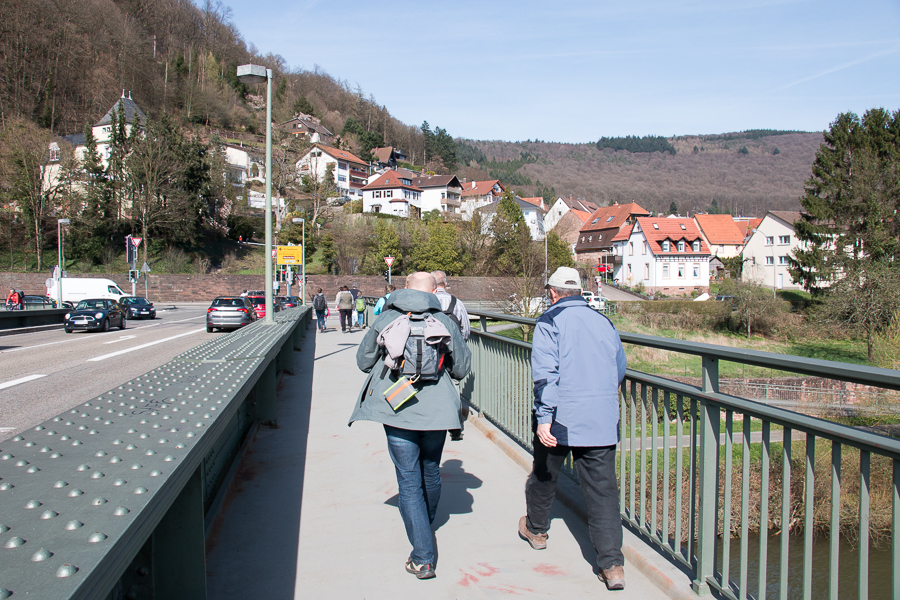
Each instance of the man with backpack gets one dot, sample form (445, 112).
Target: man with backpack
(320, 305)
(451, 305)
(359, 306)
(412, 353)
(343, 303)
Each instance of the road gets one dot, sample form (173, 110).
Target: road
(617, 294)
(43, 374)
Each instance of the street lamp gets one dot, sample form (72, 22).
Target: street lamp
(59, 269)
(258, 74)
(302, 261)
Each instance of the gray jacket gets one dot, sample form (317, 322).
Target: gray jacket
(436, 406)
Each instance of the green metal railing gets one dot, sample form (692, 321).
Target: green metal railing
(693, 482)
(113, 499)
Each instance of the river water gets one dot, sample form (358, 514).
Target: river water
(880, 576)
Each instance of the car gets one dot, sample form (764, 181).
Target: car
(259, 305)
(288, 301)
(229, 312)
(37, 302)
(137, 307)
(595, 301)
(95, 314)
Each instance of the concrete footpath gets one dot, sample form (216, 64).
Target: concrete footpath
(312, 510)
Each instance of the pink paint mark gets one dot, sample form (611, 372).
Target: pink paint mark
(487, 570)
(551, 570)
(466, 579)
(511, 590)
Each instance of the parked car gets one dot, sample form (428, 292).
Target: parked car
(137, 307)
(594, 301)
(37, 302)
(259, 304)
(288, 301)
(95, 314)
(229, 312)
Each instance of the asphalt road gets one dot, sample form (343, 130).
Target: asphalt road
(43, 374)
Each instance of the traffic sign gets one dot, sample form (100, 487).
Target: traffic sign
(136, 241)
(389, 260)
(145, 268)
(289, 255)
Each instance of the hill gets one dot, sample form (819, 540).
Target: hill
(746, 172)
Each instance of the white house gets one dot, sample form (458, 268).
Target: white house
(767, 250)
(243, 166)
(476, 194)
(562, 206)
(392, 193)
(667, 256)
(534, 217)
(349, 171)
(441, 192)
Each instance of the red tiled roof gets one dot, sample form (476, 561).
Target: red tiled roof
(720, 229)
(584, 216)
(340, 154)
(480, 188)
(390, 180)
(537, 201)
(658, 229)
(616, 215)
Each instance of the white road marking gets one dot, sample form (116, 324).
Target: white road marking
(190, 319)
(142, 346)
(121, 338)
(18, 381)
(5, 429)
(75, 339)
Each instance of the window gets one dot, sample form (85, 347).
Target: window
(665, 271)
(782, 260)
(696, 271)
(54, 152)
(683, 228)
(590, 237)
(629, 270)
(582, 239)
(644, 248)
(770, 260)
(406, 181)
(681, 246)
(655, 226)
(680, 271)
(610, 219)
(696, 246)
(388, 193)
(784, 239)
(342, 166)
(646, 270)
(376, 194)
(630, 248)
(342, 178)
(665, 246)
(770, 241)
(594, 222)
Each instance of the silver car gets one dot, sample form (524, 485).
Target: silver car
(229, 312)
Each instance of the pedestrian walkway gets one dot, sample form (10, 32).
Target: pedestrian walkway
(312, 512)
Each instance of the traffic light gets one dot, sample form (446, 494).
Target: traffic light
(240, 240)
(385, 274)
(132, 276)
(130, 251)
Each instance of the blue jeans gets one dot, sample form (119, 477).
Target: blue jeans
(417, 461)
(360, 317)
(320, 315)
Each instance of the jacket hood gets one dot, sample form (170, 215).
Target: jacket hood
(413, 301)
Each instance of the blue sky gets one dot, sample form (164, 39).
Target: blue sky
(572, 71)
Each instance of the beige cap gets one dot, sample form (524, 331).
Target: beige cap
(565, 278)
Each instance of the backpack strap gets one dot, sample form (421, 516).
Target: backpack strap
(452, 305)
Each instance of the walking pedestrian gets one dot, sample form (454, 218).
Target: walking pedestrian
(343, 303)
(379, 306)
(359, 306)
(456, 310)
(415, 430)
(320, 305)
(577, 363)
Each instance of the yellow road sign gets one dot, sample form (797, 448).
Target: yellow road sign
(289, 255)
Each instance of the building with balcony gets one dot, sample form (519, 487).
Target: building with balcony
(388, 157)
(392, 193)
(439, 192)
(307, 127)
(349, 171)
(597, 237)
(476, 194)
(665, 255)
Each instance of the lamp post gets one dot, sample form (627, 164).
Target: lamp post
(302, 260)
(59, 269)
(259, 74)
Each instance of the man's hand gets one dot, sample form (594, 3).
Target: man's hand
(543, 433)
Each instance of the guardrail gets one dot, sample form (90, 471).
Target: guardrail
(112, 499)
(13, 319)
(677, 466)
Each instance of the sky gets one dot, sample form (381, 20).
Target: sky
(573, 71)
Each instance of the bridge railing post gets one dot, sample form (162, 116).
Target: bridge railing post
(708, 487)
(179, 547)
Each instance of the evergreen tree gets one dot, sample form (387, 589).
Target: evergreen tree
(388, 243)
(439, 249)
(673, 209)
(558, 253)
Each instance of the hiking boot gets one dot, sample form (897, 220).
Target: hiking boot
(538, 541)
(613, 577)
(425, 571)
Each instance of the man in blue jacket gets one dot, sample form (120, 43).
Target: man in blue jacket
(577, 364)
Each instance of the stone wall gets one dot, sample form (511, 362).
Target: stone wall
(203, 288)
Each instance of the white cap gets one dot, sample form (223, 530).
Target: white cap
(565, 278)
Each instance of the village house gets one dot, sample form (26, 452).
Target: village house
(393, 193)
(534, 217)
(349, 172)
(768, 250)
(723, 237)
(666, 256)
(439, 192)
(569, 226)
(563, 205)
(597, 237)
(308, 127)
(476, 194)
(388, 157)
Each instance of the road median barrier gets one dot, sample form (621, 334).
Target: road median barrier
(108, 499)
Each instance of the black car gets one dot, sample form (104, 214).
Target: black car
(137, 307)
(95, 315)
(36, 302)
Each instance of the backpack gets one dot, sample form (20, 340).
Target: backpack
(421, 361)
(449, 313)
(319, 302)
(360, 304)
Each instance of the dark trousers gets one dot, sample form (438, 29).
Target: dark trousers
(346, 323)
(596, 468)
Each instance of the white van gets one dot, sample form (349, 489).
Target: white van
(75, 289)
